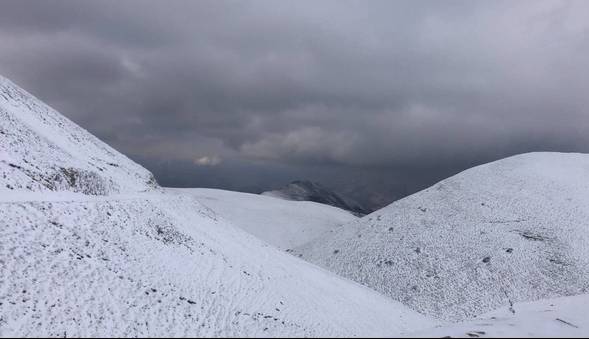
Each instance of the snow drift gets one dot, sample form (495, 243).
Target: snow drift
(552, 318)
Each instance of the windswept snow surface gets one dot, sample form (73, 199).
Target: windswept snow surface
(282, 223)
(162, 264)
(514, 230)
(41, 150)
(556, 318)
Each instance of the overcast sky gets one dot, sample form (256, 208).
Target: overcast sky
(373, 98)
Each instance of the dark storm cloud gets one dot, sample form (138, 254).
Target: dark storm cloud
(397, 93)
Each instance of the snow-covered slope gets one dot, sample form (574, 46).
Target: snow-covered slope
(509, 231)
(40, 150)
(557, 318)
(157, 264)
(282, 223)
(95, 257)
(303, 190)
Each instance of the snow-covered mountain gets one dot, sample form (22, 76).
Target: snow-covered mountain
(282, 223)
(303, 190)
(41, 150)
(509, 231)
(88, 247)
(91, 246)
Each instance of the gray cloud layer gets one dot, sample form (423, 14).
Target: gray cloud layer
(386, 94)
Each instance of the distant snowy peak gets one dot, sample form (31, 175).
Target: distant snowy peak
(41, 150)
(303, 190)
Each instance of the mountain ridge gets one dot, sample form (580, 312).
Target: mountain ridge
(306, 190)
(44, 151)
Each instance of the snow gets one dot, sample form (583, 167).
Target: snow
(4, 157)
(43, 151)
(277, 195)
(556, 318)
(91, 246)
(515, 230)
(302, 190)
(282, 223)
(162, 264)
(92, 249)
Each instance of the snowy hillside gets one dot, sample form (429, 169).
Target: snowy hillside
(303, 190)
(40, 150)
(561, 318)
(161, 264)
(84, 253)
(282, 223)
(509, 231)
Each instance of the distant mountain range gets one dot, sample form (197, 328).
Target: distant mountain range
(304, 190)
